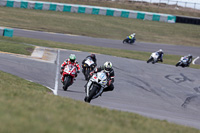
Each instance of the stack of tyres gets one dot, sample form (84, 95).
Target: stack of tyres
(6, 32)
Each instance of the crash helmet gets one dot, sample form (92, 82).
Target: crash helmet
(108, 65)
(160, 50)
(133, 34)
(93, 56)
(189, 55)
(72, 57)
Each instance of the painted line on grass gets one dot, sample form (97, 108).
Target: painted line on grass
(193, 62)
(57, 73)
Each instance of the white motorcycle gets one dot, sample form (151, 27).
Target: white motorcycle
(153, 58)
(88, 66)
(95, 86)
(183, 62)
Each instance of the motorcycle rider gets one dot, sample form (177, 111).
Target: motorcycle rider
(189, 59)
(107, 67)
(160, 55)
(132, 37)
(71, 60)
(93, 57)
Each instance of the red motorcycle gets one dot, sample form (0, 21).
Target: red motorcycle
(69, 73)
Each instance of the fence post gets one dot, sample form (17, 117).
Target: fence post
(159, 3)
(150, 2)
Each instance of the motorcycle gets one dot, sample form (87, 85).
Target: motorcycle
(69, 73)
(88, 66)
(129, 41)
(153, 58)
(95, 86)
(183, 62)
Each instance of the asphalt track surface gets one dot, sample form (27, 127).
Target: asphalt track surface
(157, 90)
(101, 42)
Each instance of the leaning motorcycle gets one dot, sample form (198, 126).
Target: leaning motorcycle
(153, 58)
(69, 74)
(129, 41)
(183, 62)
(95, 86)
(88, 66)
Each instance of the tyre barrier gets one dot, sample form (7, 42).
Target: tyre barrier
(187, 20)
(6, 32)
(39, 5)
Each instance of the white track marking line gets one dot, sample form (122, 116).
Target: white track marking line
(42, 85)
(193, 62)
(47, 32)
(57, 72)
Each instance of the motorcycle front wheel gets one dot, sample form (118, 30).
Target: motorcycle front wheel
(151, 59)
(87, 73)
(178, 64)
(125, 41)
(91, 94)
(67, 82)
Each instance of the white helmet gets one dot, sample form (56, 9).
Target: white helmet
(189, 55)
(107, 65)
(160, 50)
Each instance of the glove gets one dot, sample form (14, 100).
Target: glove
(61, 71)
(91, 73)
(109, 83)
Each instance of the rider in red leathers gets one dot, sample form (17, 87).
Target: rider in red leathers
(71, 60)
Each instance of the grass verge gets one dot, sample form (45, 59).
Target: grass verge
(30, 107)
(100, 26)
(14, 47)
(168, 59)
(126, 4)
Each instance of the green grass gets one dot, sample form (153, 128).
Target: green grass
(13, 47)
(168, 59)
(27, 107)
(100, 26)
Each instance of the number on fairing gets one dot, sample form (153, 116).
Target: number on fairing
(102, 75)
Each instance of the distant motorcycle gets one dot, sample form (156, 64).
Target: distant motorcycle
(88, 66)
(69, 73)
(183, 62)
(129, 41)
(153, 58)
(95, 86)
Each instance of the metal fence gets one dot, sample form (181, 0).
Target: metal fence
(175, 3)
